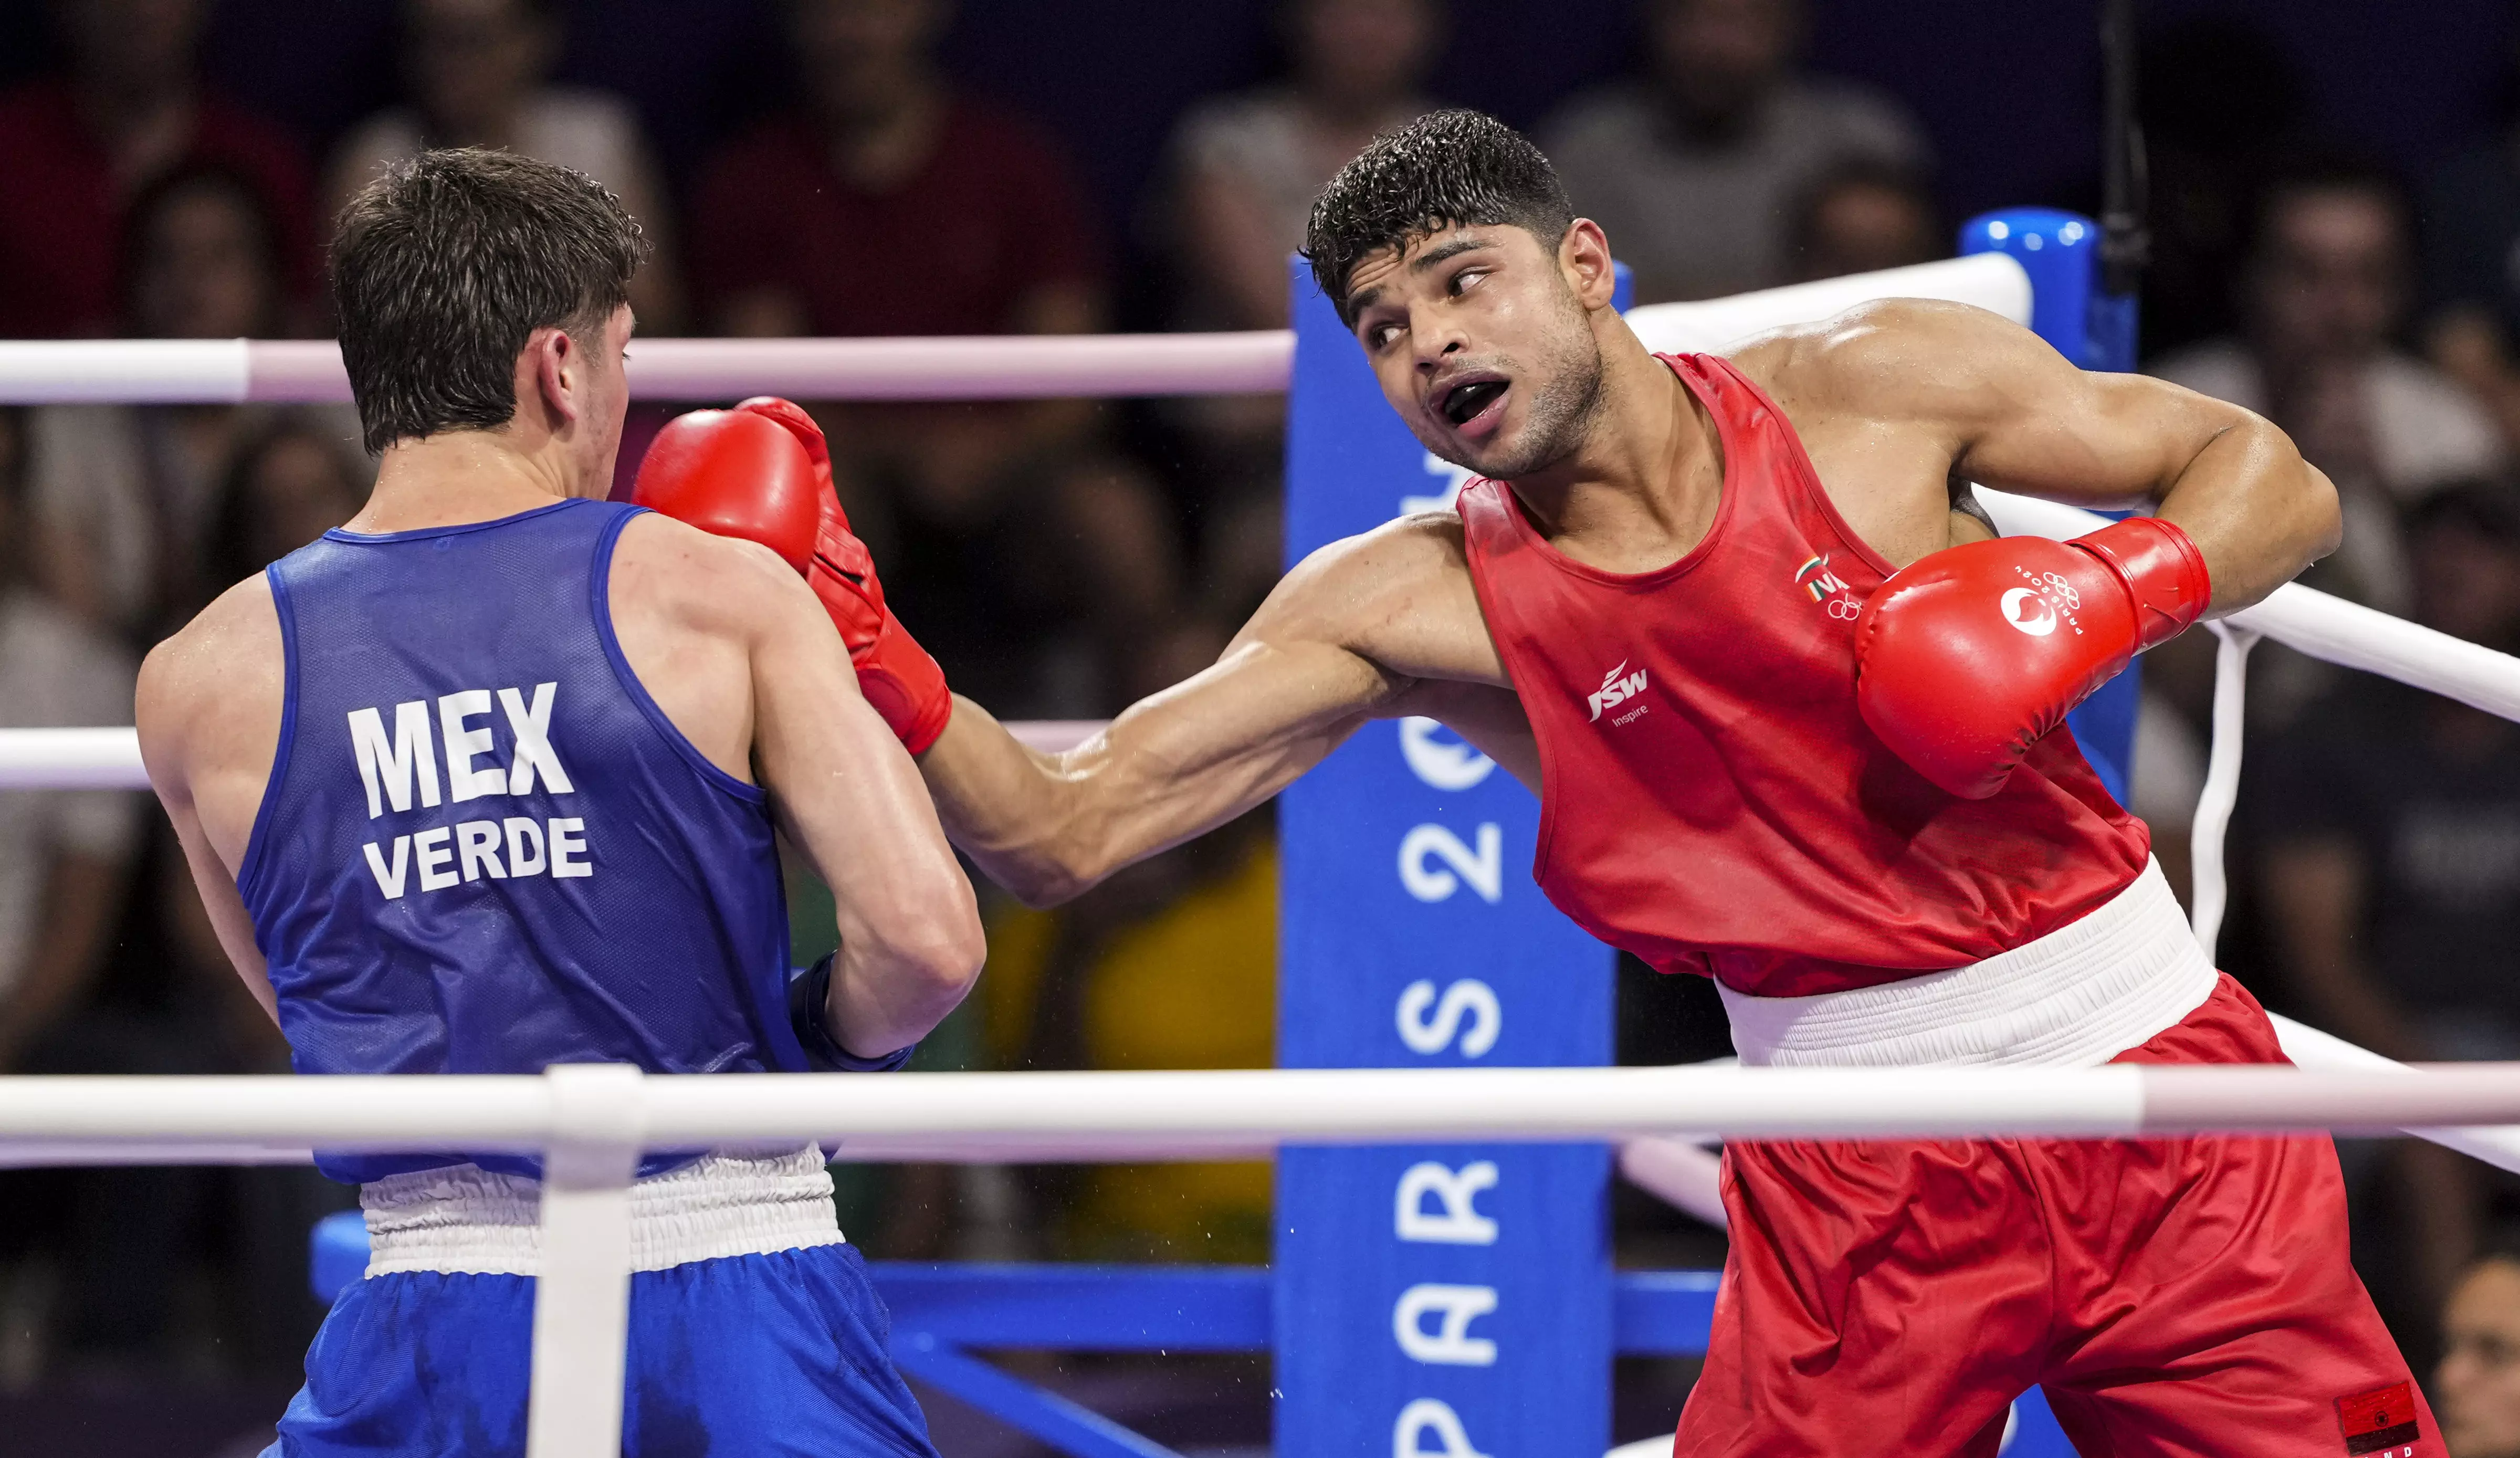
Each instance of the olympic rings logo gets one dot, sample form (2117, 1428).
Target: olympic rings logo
(1844, 609)
(2064, 589)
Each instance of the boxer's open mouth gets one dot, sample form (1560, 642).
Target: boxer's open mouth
(1469, 399)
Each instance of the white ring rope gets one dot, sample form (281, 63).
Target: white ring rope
(2209, 889)
(1251, 1109)
(989, 367)
(2347, 634)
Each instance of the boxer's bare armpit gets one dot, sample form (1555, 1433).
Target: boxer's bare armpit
(1892, 401)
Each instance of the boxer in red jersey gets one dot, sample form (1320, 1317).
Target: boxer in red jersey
(1793, 713)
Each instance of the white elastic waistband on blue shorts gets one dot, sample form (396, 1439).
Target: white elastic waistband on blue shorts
(465, 1218)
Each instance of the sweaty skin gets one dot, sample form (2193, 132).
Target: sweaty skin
(724, 637)
(1900, 404)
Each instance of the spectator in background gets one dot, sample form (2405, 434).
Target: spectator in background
(477, 74)
(64, 854)
(2220, 100)
(123, 495)
(1860, 216)
(889, 203)
(76, 151)
(164, 1000)
(292, 480)
(2323, 296)
(2388, 823)
(1242, 176)
(2476, 1389)
(1247, 166)
(1694, 168)
(2472, 271)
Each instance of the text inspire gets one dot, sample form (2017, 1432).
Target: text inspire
(392, 765)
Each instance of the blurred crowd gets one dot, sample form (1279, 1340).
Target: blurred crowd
(1064, 558)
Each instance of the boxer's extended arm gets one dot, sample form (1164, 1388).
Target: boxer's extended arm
(2008, 411)
(1372, 627)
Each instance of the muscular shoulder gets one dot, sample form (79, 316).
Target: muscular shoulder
(1399, 595)
(717, 585)
(216, 684)
(696, 617)
(1896, 361)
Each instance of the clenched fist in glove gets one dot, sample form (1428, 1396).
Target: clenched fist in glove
(761, 470)
(1971, 654)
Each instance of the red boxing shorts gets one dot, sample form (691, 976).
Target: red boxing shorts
(2175, 1296)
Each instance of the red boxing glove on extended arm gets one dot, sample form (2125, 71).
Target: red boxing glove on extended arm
(1971, 654)
(897, 675)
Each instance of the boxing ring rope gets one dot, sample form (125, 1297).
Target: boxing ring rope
(1206, 1112)
(309, 371)
(992, 367)
(591, 1122)
(2339, 632)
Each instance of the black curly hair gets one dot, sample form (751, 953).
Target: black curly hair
(1444, 169)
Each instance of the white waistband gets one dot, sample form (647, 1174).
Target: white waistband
(471, 1219)
(2075, 997)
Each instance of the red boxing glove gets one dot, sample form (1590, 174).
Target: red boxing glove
(733, 475)
(897, 675)
(1973, 654)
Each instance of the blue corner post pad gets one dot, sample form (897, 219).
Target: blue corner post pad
(1458, 1291)
(2060, 251)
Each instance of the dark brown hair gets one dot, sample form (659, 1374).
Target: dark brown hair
(447, 263)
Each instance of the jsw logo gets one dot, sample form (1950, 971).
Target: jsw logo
(1616, 691)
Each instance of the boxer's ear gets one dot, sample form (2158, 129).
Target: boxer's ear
(552, 375)
(1584, 259)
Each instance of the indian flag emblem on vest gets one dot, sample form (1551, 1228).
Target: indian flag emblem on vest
(1817, 580)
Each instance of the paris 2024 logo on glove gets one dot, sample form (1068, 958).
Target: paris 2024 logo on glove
(2028, 609)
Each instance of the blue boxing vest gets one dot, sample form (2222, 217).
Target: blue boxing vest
(483, 847)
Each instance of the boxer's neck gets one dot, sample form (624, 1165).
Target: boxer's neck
(460, 476)
(1641, 488)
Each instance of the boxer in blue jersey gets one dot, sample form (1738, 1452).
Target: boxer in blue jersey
(486, 781)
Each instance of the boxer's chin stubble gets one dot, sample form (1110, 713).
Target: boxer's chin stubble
(1556, 421)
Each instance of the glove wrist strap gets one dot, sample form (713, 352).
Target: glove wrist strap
(2163, 572)
(809, 992)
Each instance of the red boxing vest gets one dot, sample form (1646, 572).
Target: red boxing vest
(1711, 799)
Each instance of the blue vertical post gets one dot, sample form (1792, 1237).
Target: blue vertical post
(2062, 253)
(1446, 1299)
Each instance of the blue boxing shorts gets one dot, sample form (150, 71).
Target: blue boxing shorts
(764, 1338)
